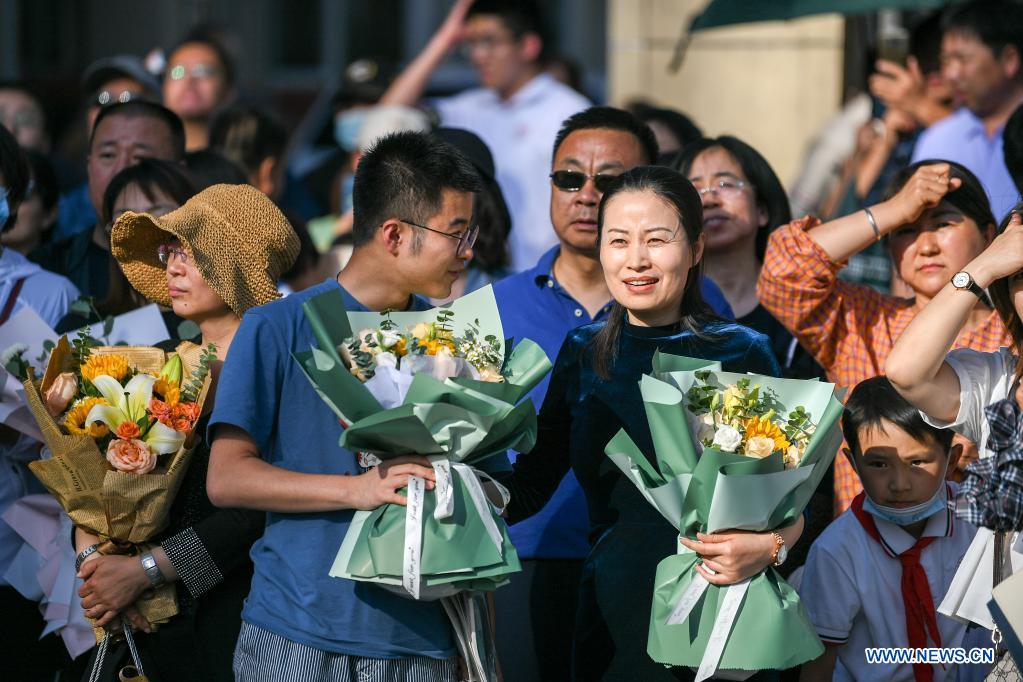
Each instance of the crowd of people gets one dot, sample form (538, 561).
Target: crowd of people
(608, 234)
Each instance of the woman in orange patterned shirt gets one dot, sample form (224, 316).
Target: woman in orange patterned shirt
(936, 220)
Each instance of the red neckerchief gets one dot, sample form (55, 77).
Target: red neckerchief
(916, 593)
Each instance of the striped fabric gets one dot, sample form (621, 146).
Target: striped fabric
(848, 328)
(264, 656)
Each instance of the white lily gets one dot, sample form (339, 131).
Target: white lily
(128, 403)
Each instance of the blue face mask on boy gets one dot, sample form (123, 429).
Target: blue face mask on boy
(905, 516)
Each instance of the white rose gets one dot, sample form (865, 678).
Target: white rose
(492, 374)
(706, 432)
(386, 359)
(389, 338)
(726, 439)
(759, 446)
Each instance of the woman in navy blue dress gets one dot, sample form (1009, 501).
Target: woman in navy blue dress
(650, 240)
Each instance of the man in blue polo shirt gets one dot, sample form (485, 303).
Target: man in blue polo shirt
(564, 290)
(275, 442)
(982, 59)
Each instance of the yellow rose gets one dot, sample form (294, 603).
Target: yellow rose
(733, 398)
(492, 374)
(759, 447)
(792, 457)
(422, 331)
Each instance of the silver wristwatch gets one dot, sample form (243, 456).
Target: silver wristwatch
(152, 569)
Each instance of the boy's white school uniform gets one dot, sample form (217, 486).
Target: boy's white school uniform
(852, 590)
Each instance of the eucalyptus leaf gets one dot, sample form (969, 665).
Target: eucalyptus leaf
(188, 330)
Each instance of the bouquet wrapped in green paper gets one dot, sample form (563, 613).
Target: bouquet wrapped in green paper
(733, 451)
(440, 384)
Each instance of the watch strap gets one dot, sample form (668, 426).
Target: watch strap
(84, 554)
(152, 569)
(779, 542)
(971, 286)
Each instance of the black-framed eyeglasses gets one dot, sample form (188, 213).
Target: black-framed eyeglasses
(573, 181)
(466, 238)
(166, 252)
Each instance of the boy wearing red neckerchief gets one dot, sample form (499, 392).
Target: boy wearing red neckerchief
(876, 575)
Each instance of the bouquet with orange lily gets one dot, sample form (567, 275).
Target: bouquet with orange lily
(731, 452)
(118, 421)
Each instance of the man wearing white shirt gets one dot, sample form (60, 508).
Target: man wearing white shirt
(517, 111)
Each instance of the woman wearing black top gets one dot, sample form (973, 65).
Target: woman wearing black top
(218, 255)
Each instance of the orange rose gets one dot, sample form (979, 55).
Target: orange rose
(160, 410)
(128, 430)
(59, 394)
(188, 411)
(131, 456)
(182, 425)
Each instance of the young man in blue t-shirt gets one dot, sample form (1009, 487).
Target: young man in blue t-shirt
(275, 442)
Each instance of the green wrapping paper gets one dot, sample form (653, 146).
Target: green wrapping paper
(716, 491)
(459, 423)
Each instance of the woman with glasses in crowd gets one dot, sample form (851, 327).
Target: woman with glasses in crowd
(650, 242)
(218, 255)
(743, 201)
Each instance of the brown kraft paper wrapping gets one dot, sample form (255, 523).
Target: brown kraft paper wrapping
(124, 509)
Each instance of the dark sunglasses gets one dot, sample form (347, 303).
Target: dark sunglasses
(573, 181)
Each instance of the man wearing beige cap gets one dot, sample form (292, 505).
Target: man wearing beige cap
(275, 442)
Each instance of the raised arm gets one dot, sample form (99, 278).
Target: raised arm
(238, 477)
(846, 236)
(408, 87)
(916, 365)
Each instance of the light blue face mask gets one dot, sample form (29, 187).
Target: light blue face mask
(905, 516)
(346, 128)
(347, 189)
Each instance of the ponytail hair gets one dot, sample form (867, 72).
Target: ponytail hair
(678, 193)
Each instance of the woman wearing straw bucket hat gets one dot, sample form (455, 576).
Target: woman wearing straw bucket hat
(218, 255)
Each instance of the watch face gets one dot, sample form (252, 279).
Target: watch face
(961, 280)
(783, 554)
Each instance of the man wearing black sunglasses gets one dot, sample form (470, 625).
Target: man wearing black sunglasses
(564, 290)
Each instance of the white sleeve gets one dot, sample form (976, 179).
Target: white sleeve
(829, 594)
(983, 379)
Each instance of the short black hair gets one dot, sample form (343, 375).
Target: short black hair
(150, 175)
(44, 179)
(680, 125)
(403, 176)
(1013, 147)
(876, 399)
(610, 118)
(969, 197)
(247, 135)
(925, 43)
(207, 167)
(14, 174)
(519, 16)
(767, 188)
(210, 37)
(140, 108)
(996, 23)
